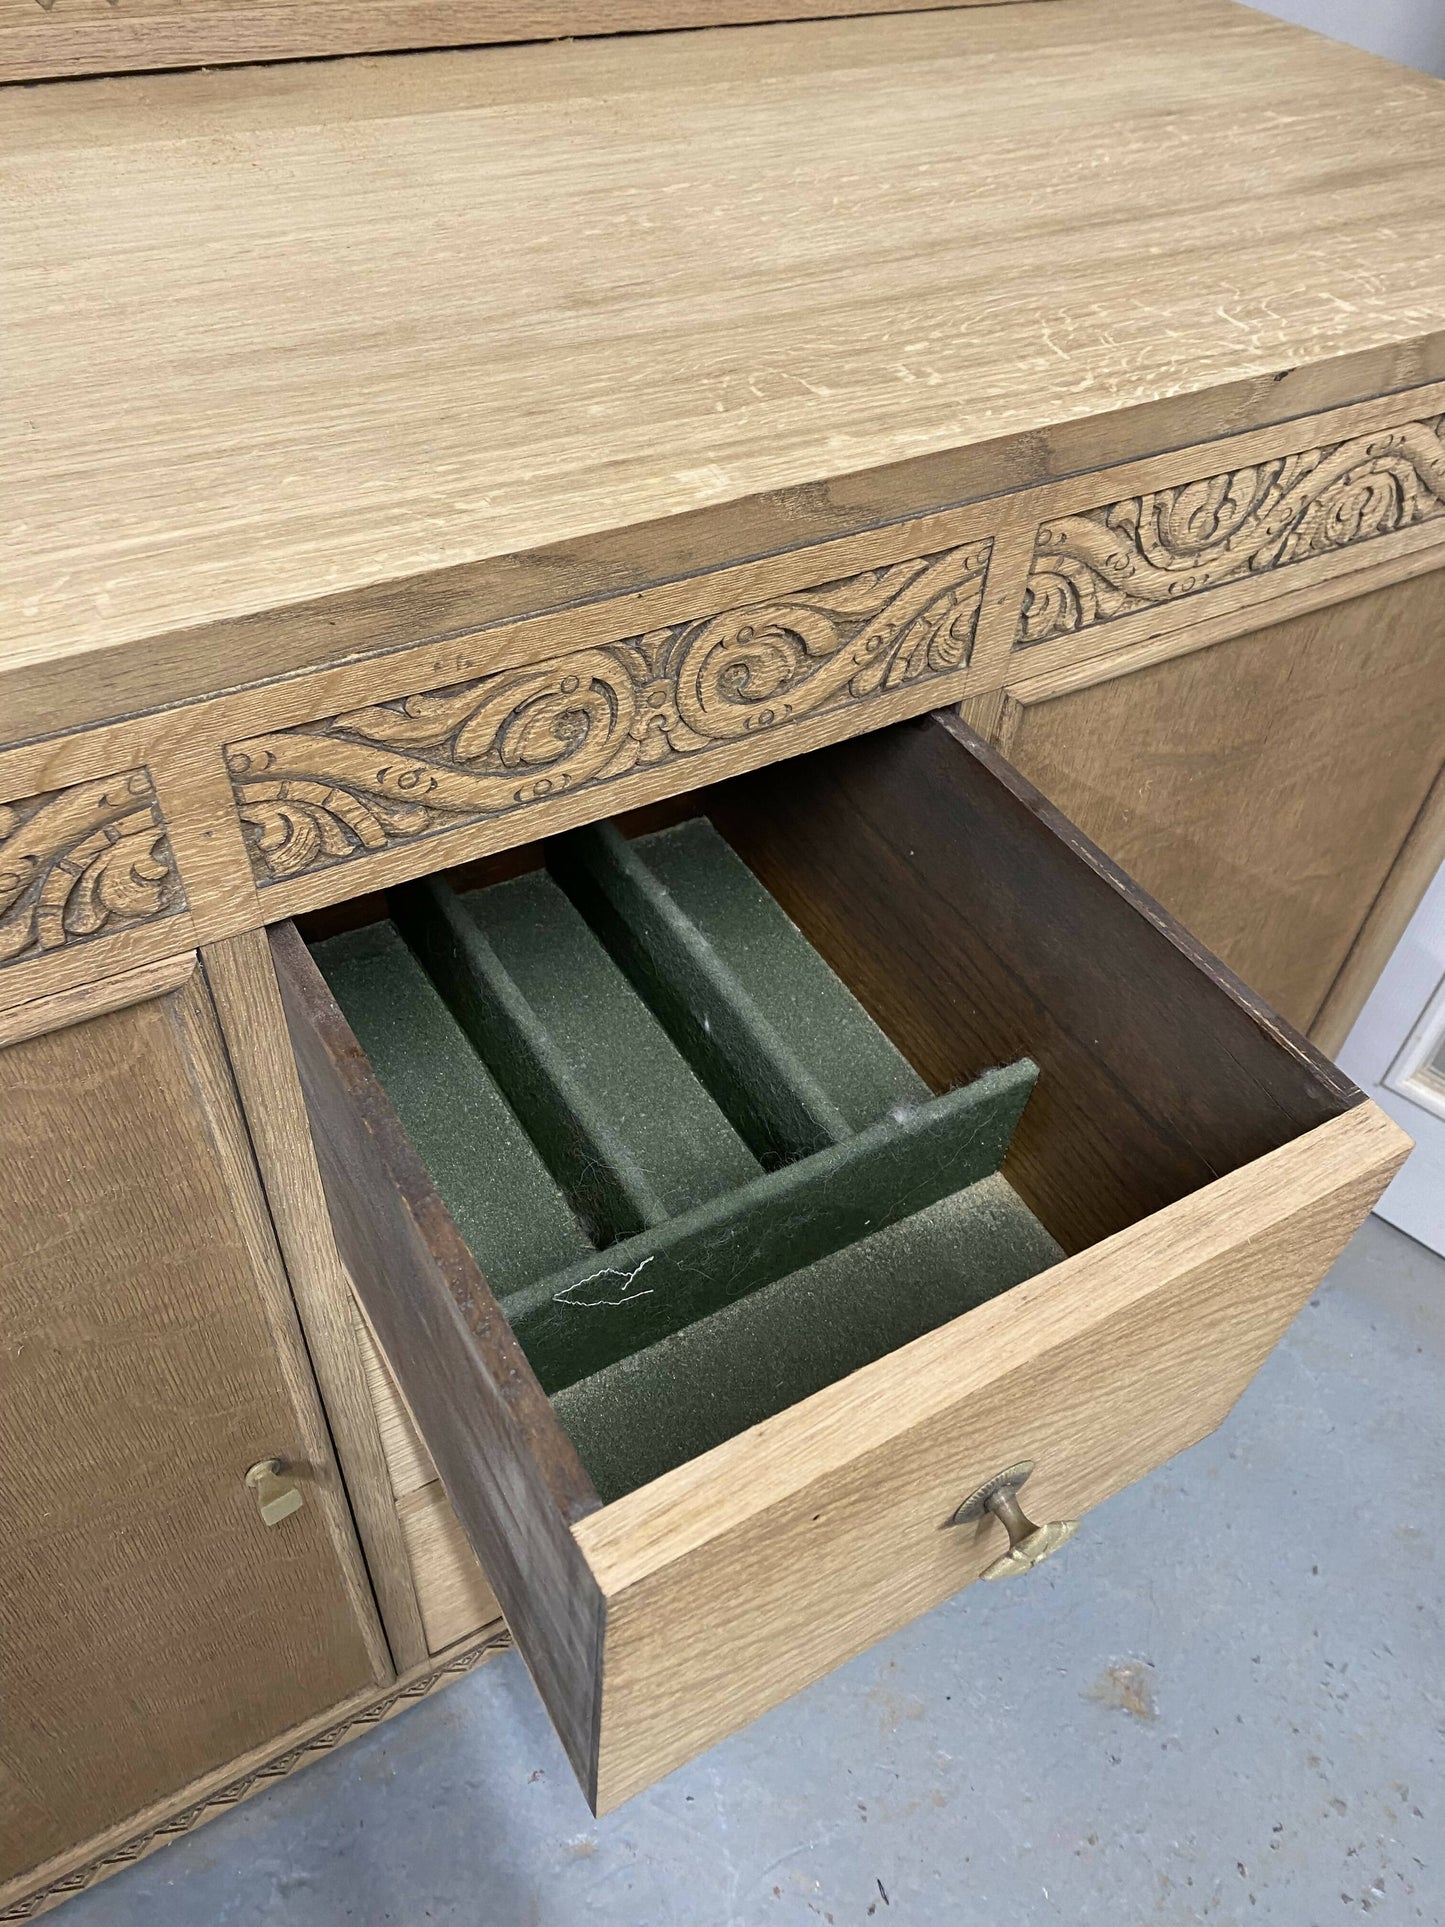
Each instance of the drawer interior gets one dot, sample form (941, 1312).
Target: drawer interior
(699, 1178)
(730, 1100)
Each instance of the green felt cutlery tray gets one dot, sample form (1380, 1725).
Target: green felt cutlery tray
(700, 1180)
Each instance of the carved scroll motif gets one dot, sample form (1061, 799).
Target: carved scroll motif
(1154, 549)
(83, 862)
(359, 782)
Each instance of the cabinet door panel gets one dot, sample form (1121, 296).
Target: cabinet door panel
(1262, 787)
(151, 1626)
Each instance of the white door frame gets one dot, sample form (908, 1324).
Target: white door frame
(1396, 1052)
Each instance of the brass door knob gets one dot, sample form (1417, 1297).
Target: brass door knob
(276, 1495)
(1028, 1544)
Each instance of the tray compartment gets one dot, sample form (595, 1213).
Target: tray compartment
(616, 1111)
(776, 1036)
(514, 1216)
(601, 1019)
(717, 1376)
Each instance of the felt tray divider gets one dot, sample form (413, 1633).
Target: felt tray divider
(765, 1090)
(613, 1043)
(607, 1187)
(602, 1309)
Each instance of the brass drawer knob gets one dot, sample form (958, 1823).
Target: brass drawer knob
(276, 1495)
(1028, 1544)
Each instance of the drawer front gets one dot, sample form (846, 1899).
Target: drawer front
(740, 1578)
(1200, 1162)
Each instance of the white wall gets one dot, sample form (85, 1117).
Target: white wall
(1412, 31)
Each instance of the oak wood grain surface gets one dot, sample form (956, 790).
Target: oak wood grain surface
(53, 1881)
(452, 1591)
(451, 1588)
(113, 36)
(284, 333)
(1409, 877)
(505, 1459)
(94, 999)
(248, 1007)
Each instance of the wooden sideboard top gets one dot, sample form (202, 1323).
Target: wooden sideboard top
(516, 326)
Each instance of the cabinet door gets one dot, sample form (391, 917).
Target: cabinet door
(1261, 788)
(151, 1625)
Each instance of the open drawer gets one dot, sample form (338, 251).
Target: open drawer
(1183, 1172)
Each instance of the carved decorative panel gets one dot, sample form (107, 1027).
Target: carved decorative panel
(85, 861)
(336, 789)
(1154, 549)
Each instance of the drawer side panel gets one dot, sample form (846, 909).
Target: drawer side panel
(507, 1466)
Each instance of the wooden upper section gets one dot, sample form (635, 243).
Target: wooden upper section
(370, 331)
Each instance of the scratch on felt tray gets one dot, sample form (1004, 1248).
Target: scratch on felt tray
(564, 1296)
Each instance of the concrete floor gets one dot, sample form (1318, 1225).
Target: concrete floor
(1224, 1702)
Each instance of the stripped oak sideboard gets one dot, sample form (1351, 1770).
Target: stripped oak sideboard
(411, 458)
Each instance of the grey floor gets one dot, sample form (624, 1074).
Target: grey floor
(1224, 1702)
